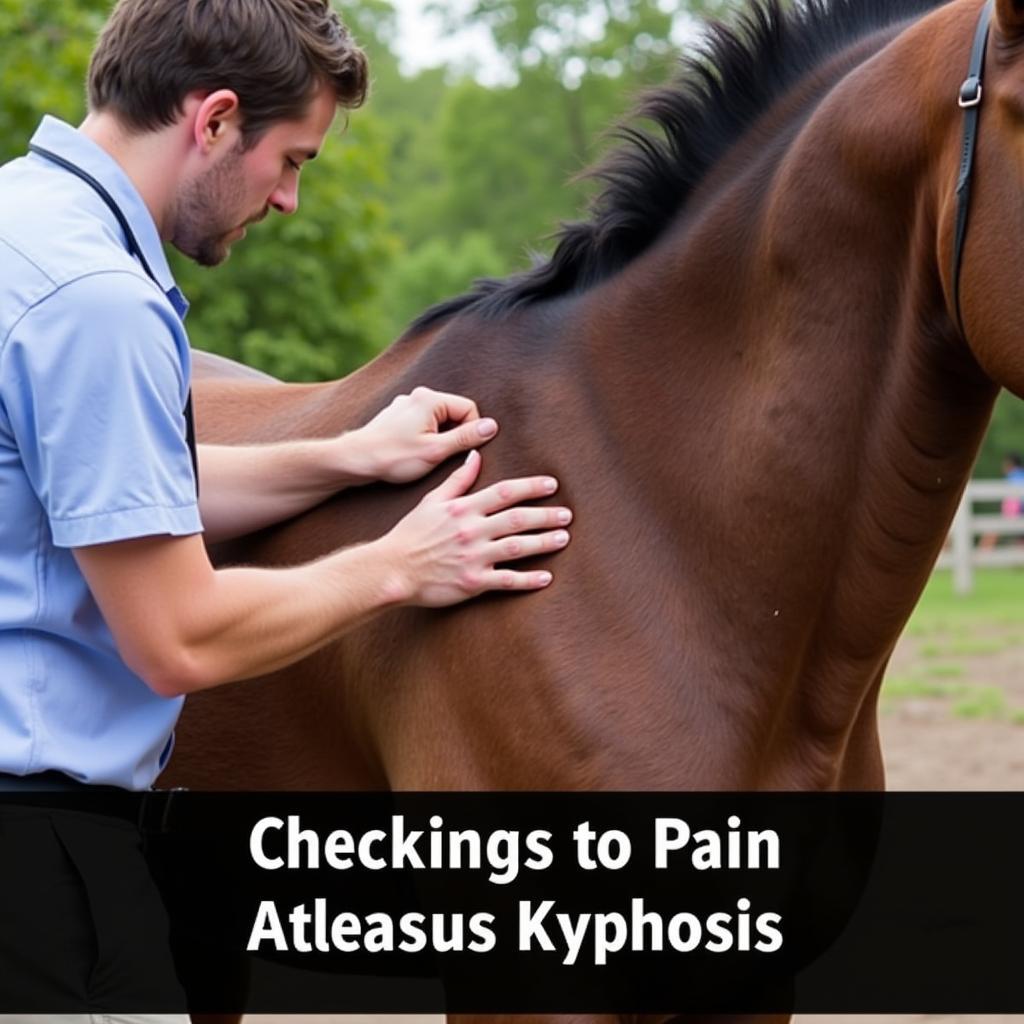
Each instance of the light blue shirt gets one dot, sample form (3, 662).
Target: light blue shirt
(94, 375)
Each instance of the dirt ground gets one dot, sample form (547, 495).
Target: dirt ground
(953, 712)
(952, 719)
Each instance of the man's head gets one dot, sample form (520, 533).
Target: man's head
(271, 53)
(255, 83)
(230, 181)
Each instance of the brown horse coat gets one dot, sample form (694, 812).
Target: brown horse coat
(746, 374)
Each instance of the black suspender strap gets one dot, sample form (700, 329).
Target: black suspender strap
(970, 102)
(135, 250)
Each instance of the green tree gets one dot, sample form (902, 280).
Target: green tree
(1005, 435)
(44, 53)
(571, 42)
(433, 271)
(509, 157)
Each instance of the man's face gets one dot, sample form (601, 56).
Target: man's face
(213, 209)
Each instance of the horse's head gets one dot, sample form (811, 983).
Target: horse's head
(992, 271)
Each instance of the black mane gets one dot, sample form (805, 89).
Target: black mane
(735, 76)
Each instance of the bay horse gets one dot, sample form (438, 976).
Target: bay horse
(747, 371)
(762, 388)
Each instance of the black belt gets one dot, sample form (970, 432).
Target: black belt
(149, 810)
(50, 782)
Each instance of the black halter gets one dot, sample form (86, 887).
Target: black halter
(970, 101)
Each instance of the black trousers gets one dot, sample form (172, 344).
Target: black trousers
(82, 926)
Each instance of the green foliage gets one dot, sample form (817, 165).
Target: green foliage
(1005, 435)
(433, 271)
(44, 53)
(506, 157)
(495, 180)
(575, 39)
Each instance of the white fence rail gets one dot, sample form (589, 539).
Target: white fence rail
(982, 540)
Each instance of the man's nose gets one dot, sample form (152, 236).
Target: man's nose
(285, 198)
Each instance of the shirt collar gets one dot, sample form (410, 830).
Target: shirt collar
(66, 141)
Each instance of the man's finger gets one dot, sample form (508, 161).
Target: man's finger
(519, 520)
(510, 492)
(457, 483)
(510, 548)
(507, 579)
(450, 408)
(460, 439)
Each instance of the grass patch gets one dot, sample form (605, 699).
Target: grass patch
(944, 670)
(985, 702)
(951, 629)
(903, 687)
(978, 645)
(997, 600)
(971, 701)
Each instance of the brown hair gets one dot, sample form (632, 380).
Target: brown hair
(273, 53)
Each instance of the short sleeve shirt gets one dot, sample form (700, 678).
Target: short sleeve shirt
(94, 376)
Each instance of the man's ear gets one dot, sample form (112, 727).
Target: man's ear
(218, 119)
(1009, 18)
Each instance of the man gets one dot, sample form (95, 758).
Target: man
(202, 115)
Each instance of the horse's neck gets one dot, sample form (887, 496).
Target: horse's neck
(799, 362)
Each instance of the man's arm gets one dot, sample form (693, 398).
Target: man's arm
(244, 488)
(184, 626)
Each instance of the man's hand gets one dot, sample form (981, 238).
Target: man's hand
(247, 488)
(445, 550)
(405, 441)
(216, 625)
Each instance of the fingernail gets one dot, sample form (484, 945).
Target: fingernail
(544, 578)
(564, 516)
(486, 427)
(551, 485)
(562, 537)
(469, 457)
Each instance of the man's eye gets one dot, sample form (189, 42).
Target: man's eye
(294, 166)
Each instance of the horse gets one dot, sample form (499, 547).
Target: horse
(762, 389)
(762, 378)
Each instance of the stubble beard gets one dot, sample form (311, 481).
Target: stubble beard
(202, 208)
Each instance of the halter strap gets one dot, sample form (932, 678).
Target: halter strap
(970, 102)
